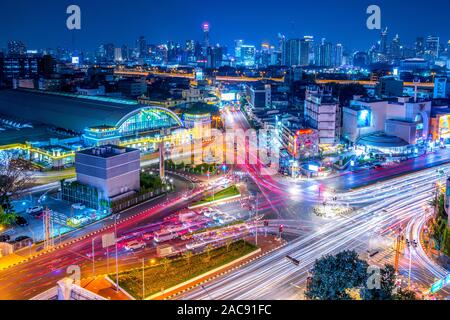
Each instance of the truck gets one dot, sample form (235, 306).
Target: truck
(165, 250)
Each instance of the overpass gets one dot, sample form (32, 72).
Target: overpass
(423, 85)
(134, 73)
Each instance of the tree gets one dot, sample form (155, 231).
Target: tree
(209, 249)
(166, 264)
(333, 277)
(6, 219)
(188, 256)
(228, 244)
(405, 294)
(15, 176)
(387, 286)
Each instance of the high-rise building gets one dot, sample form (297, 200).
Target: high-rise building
(295, 52)
(420, 46)
(118, 55)
(339, 55)
(16, 48)
(110, 50)
(206, 39)
(396, 48)
(433, 46)
(325, 54)
(322, 113)
(141, 46)
(214, 57)
(237, 50)
(248, 53)
(384, 41)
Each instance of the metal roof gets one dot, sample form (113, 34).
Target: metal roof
(60, 111)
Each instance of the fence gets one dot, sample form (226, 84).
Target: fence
(123, 204)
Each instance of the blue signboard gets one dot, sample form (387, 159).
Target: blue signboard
(437, 286)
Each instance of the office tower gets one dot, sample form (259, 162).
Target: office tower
(384, 42)
(433, 46)
(396, 48)
(237, 50)
(420, 46)
(110, 51)
(16, 48)
(361, 59)
(339, 55)
(118, 55)
(206, 40)
(322, 113)
(125, 53)
(291, 52)
(325, 54)
(141, 46)
(248, 53)
(214, 57)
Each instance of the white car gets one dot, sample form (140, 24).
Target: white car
(36, 209)
(227, 220)
(78, 206)
(134, 245)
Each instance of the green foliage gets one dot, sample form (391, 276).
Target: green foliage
(168, 273)
(405, 294)
(387, 283)
(334, 276)
(150, 182)
(6, 219)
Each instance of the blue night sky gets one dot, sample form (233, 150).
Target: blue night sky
(42, 24)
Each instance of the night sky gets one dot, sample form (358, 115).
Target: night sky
(42, 24)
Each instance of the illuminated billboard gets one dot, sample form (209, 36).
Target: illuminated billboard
(444, 126)
(230, 96)
(75, 60)
(364, 118)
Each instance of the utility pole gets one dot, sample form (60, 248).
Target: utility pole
(117, 258)
(397, 250)
(256, 216)
(93, 257)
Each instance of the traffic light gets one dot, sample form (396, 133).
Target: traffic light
(266, 223)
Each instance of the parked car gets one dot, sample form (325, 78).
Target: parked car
(5, 238)
(35, 210)
(78, 206)
(21, 221)
(134, 245)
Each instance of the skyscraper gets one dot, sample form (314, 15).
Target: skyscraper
(339, 55)
(384, 41)
(237, 50)
(141, 46)
(16, 48)
(248, 53)
(396, 48)
(433, 46)
(206, 40)
(325, 54)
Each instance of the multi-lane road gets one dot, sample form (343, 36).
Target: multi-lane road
(387, 206)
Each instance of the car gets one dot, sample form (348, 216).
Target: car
(35, 210)
(134, 245)
(78, 206)
(21, 221)
(5, 238)
(227, 220)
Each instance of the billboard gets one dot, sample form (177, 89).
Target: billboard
(444, 126)
(230, 96)
(364, 118)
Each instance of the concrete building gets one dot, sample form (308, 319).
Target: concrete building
(388, 87)
(113, 170)
(398, 126)
(259, 96)
(132, 88)
(322, 113)
(441, 88)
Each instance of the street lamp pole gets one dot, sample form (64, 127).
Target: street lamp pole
(117, 258)
(93, 257)
(143, 278)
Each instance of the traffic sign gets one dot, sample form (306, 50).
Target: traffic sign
(437, 286)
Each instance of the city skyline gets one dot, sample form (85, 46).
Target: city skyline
(346, 24)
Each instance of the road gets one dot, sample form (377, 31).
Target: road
(387, 205)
